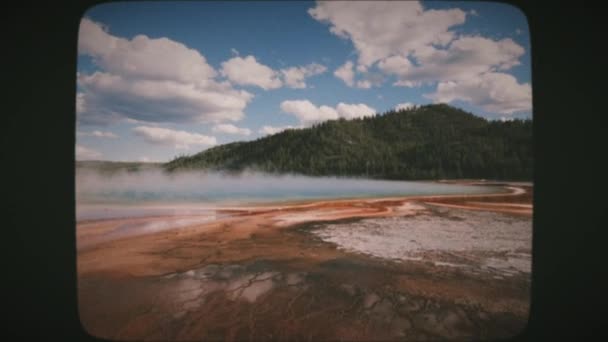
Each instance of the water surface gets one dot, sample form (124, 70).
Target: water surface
(156, 193)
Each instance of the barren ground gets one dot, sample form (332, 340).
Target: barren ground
(326, 270)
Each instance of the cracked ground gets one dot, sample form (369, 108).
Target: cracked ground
(245, 277)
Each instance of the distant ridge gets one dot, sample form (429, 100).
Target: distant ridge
(428, 142)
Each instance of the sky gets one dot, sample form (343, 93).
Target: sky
(156, 80)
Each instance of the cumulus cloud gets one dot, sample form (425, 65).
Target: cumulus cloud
(231, 129)
(269, 130)
(466, 57)
(111, 97)
(353, 111)
(379, 29)
(137, 82)
(397, 65)
(364, 84)
(248, 71)
(98, 134)
(418, 46)
(370, 79)
(404, 106)
(85, 153)
(346, 73)
(493, 91)
(143, 57)
(178, 139)
(294, 77)
(308, 113)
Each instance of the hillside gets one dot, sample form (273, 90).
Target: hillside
(428, 142)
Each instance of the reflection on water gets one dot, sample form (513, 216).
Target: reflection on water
(197, 187)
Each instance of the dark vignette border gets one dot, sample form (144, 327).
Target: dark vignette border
(38, 136)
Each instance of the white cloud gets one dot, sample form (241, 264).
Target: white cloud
(518, 31)
(346, 73)
(391, 34)
(234, 51)
(405, 105)
(98, 134)
(465, 58)
(159, 59)
(364, 84)
(493, 91)
(379, 29)
(352, 111)
(178, 139)
(248, 71)
(308, 114)
(419, 47)
(294, 77)
(112, 97)
(269, 130)
(473, 12)
(85, 153)
(154, 80)
(397, 65)
(231, 129)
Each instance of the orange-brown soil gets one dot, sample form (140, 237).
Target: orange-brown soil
(258, 273)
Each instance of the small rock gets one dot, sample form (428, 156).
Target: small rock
(400, 325)
(191, 305)
(411, 305)
(384, 309)
(294, 279)
(370, 300)
(349, 288)
(179, 314)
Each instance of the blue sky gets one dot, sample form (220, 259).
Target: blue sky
(160, 79)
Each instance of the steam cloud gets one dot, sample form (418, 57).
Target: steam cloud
(215, 187)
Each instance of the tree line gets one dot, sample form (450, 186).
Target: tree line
(435, 141)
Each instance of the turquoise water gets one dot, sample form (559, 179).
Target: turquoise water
(216, 188)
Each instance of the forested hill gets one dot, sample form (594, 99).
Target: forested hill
(427, 142)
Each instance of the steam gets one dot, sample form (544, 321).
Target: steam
(216, 187)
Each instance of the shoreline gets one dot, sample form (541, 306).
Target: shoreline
(200, 277)
(306, 203)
